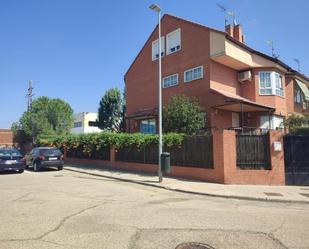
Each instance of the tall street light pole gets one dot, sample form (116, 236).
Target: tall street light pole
(157, 9)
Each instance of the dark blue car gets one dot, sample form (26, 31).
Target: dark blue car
(11, 160)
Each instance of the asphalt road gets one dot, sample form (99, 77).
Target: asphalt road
(62, 209)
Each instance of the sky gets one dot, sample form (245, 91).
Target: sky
(77, 49)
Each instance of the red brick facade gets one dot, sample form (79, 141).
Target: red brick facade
(6, 138)
(142, 77)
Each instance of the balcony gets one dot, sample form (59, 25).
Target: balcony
(229, 52)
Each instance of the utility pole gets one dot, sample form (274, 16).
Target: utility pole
(29, 96)
(157, 9)
(29, 105)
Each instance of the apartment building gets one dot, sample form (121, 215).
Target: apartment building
(85, 122)
(237, 86)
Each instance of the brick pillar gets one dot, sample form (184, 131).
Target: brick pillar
(229, 155)
(112, 154)
(217, 138)
(65, 152)
(277, 157)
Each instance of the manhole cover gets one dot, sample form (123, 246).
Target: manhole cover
(194, 245)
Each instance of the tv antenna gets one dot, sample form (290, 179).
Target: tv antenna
(298, 64)
(29, 96)
(271, 44)
(227, 13)
(223, 10)
(233, 16)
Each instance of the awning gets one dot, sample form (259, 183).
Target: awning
(236, 103)
(240, 106)
(303, 87)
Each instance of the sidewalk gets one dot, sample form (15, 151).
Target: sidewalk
(298, 194)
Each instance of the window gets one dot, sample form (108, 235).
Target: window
(270, 83)
(276, 122)
(171, 80)
(155, 48)
(77, 124)
(279, 86)
(265, 83)
(148, 126)
(93, 123)
(193, 74)
(298, 95)
(173, 43)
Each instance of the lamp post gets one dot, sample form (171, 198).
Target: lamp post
(157, 9)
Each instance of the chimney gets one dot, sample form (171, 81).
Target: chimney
(235, 31)
(238, 34)
(229, 29)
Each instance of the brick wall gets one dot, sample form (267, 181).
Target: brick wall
(6, 138)
(224, 170)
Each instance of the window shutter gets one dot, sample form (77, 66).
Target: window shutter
(173, 41)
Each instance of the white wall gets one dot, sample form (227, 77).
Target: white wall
(84, 118)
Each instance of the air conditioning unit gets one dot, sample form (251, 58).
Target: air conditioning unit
(244, 76)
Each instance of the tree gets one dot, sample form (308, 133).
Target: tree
(47, 117)
(297, 124)
(110, 111)
(184, 115)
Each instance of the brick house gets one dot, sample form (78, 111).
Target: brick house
(6, 138)
(237, 86)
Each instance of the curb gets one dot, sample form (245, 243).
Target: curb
(188, 191)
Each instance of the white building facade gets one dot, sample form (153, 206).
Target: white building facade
(85, 122)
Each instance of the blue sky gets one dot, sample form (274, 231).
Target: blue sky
(77, 49)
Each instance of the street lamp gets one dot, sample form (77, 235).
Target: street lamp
(157, 9)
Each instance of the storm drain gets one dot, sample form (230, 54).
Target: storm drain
(193, 245)
(272, 194)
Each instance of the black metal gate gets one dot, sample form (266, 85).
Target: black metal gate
(296, 159)
(253, 151)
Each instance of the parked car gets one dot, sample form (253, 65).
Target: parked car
(42, 157)
(11, 160)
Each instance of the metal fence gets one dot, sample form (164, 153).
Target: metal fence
(296, 159)
(102, 154)
(195, 151)
(253, 151)
(296, 153)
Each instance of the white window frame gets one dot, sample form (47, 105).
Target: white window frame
(153, 55)
(266, 87)
(170, 76)
(273, 86)
(298, 98)
(279, 91)
(167, 41)
(264, 122)
(192, 69)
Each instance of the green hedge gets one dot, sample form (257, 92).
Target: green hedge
(301, 131)
(88, 145)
